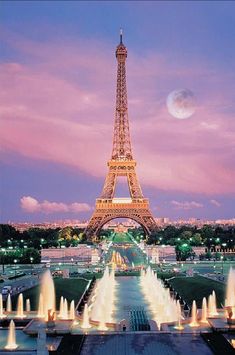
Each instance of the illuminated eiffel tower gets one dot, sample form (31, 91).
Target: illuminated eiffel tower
(108, 207)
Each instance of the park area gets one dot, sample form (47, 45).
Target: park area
(189, 288)
(197, 287)
(122, 238)
(71, 289)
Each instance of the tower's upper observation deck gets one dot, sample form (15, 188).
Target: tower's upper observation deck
(121, 51)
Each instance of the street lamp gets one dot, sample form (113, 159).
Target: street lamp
(163, 251)
(31, 261)
(222, 259)
(224, 246)
(72, 263)
(3, 260)
(15, 261)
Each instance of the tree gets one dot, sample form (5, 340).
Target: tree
(185, 235)
(208, 255)
(183, 252)
(217, 256)
(30, 256)
(170, 232)
(196, 239)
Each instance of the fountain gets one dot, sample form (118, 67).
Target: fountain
(85, 321)
(117, 260)
(41, 313)
(204, 311)
(11, 339)
(230, 297)
(214, 304)
(28, 307)
(72, 310)
(102, 325)
(212, 309)
(65, 309)
(48, 294)
(194, 322)
(61, 307)
(20, 307)
(179, 326)
(162, 305)
(63, 312)
(9, 306)
(102, 306)
(2, 315)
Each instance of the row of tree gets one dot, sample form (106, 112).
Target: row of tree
(20, 256)
(38, 238)
(207, 236)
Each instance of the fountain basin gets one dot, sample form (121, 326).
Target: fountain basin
(231, 321)
(25, 342)
(60, 327)
(186, 328)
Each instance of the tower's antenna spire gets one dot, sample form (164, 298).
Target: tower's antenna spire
(121, 33)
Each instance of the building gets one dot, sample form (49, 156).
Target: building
(82, 253)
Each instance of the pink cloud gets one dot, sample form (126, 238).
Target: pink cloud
(215, 203)
(79, 207)
(59, 106)
(31, 205)
(185, 205)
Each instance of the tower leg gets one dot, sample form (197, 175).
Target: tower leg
(102, 216)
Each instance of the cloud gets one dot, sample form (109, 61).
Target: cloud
(215, 203)
(31, 205)
(58, 107)
(185, 205)
(79, 207)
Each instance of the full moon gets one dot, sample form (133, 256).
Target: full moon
(180, 103)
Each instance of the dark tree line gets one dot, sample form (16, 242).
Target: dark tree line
(207, 236)
(24, 247)
(39, 238)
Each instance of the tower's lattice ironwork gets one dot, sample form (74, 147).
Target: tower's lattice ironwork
(121, 164)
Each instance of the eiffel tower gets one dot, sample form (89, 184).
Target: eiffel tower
(121, 164)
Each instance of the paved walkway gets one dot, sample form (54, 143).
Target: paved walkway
(145, 344)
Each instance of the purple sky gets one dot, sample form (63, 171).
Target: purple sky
(57, 96)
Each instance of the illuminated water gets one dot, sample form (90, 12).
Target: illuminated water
(230, 292)
(85, 321)
(128, 296)
(194, 322)
(20, 307)
(11, 338)
(204, 311)
(48, 294)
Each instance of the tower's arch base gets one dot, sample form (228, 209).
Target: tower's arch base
(107, 210)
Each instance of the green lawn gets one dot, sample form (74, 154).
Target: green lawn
(122, 238)
(72, 289)
(166, 274)
(197, 287)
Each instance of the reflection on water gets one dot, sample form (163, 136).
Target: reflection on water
(23, 340)
(128, 295)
